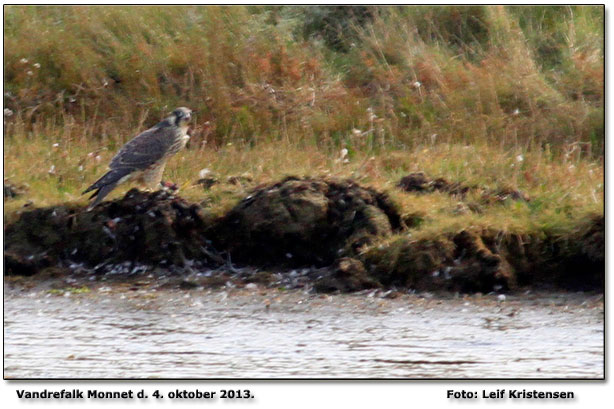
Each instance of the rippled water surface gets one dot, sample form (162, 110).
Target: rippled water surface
(108, 333)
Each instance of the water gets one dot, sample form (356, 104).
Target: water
(118, 333)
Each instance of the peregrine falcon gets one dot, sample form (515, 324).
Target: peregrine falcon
(143, 158)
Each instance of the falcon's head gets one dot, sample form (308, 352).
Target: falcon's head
(181, 116)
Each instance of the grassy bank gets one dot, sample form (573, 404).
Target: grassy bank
(494, 99)
(561, 189)
(550, 237)
(490, 236)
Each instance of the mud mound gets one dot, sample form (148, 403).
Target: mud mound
(346, 275)
(12, 190)
(333, 229)
(486, 261)
(305, 222)
(207, 182)
(419, 182)
(574, 261)
(148, 228)
(459, 263)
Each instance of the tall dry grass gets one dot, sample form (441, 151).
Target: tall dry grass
(520, 77)
(490, 87)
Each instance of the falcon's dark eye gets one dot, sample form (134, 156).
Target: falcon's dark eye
(182, 115)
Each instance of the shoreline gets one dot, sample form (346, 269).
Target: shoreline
(330, 234)
(144, 285)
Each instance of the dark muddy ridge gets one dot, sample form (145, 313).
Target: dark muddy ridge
(313, 232)
(419, 182)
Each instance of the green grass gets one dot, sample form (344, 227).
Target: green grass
(563, 189)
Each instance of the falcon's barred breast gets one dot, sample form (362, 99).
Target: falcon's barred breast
(145, 156)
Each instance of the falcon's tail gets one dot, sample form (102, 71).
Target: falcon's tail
(105, 185)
